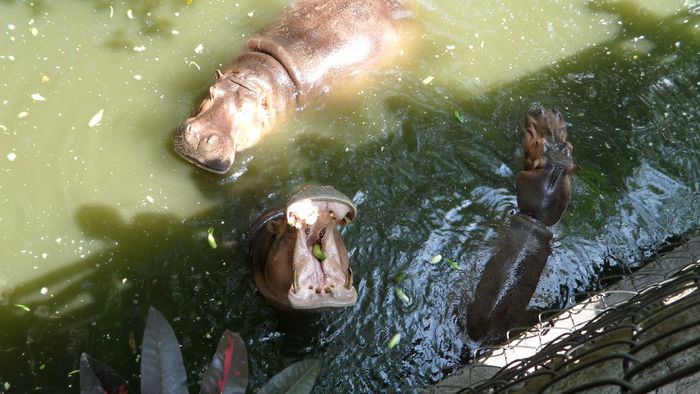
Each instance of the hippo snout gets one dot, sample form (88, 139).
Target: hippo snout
(205, 146)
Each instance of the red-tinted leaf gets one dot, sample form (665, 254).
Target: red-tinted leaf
(162, 370)
(97, 377)
(228, 371)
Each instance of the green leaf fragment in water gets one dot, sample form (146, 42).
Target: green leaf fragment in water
(23, 307)
(210, 237)
(401, 295)
(73, 372)
(453, 264)
(394, 341)
(318, 253)
(400, 277)
(459, 117)
(7, 386)
(436, 259)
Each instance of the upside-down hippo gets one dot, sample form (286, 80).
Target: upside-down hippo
(313, 45)
(543, 191)
(299, 259)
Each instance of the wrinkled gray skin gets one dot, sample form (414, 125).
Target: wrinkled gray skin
(285, 269)
(313, 45)
(512, 273)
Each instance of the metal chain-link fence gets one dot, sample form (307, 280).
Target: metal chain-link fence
(638, 335)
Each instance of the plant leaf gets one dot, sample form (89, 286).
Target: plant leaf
(228, 371)
(162, 370)
(97, 377)
(298, 378)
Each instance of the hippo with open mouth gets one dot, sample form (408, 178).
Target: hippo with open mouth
(299, 259)
(313, 45)
(543, 190)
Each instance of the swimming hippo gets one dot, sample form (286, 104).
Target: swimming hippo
(313, 45)
(512, 273)
(299, 259)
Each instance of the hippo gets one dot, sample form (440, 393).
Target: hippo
(312, 46)
(299, 260)
(543, 190)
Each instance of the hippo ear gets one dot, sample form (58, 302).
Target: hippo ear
(218, 74)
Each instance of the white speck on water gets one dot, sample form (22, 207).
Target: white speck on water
(38, 97)
(11, 26)
(95, 120)
(22, 114)
(175, 32)
(34, 31)
(11, 156)
(193, 64)
(251, 14)
(44, 290)
(111, 11)
(427, 80)
(140, 48)
(450, 47)
(124, 280)
(150, 199)
(59, 240)
(199, 48)
(130, 13)
(44, 255)
(138, 77)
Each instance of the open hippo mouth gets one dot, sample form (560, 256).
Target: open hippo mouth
(322, 278)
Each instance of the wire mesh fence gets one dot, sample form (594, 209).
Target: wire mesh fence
(638, 335)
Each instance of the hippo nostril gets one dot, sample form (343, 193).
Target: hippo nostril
(212, 139)
(192, 134)
(327, 290)
(318, 290)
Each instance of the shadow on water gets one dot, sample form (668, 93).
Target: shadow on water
(430, 185)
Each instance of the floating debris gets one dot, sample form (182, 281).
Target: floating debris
(459, 117)
(400, 277)
(453, 264)
(436, 259)
(427, 80)
(210, 238)
(130, 13)
(22, 114)
(394, 341)
(38, 97)
(34, 31)
(44, 290)
(401, 295)
(73, 372)
(44, 79)
(11, 156)
(199, 48)
(23, 307)
(318, 253)
(95, 120)
(140, 48)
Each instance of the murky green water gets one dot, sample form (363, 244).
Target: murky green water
(99, 222)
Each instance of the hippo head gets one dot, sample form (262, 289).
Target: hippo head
(230, 119)
(299, 259)
(544, 187)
